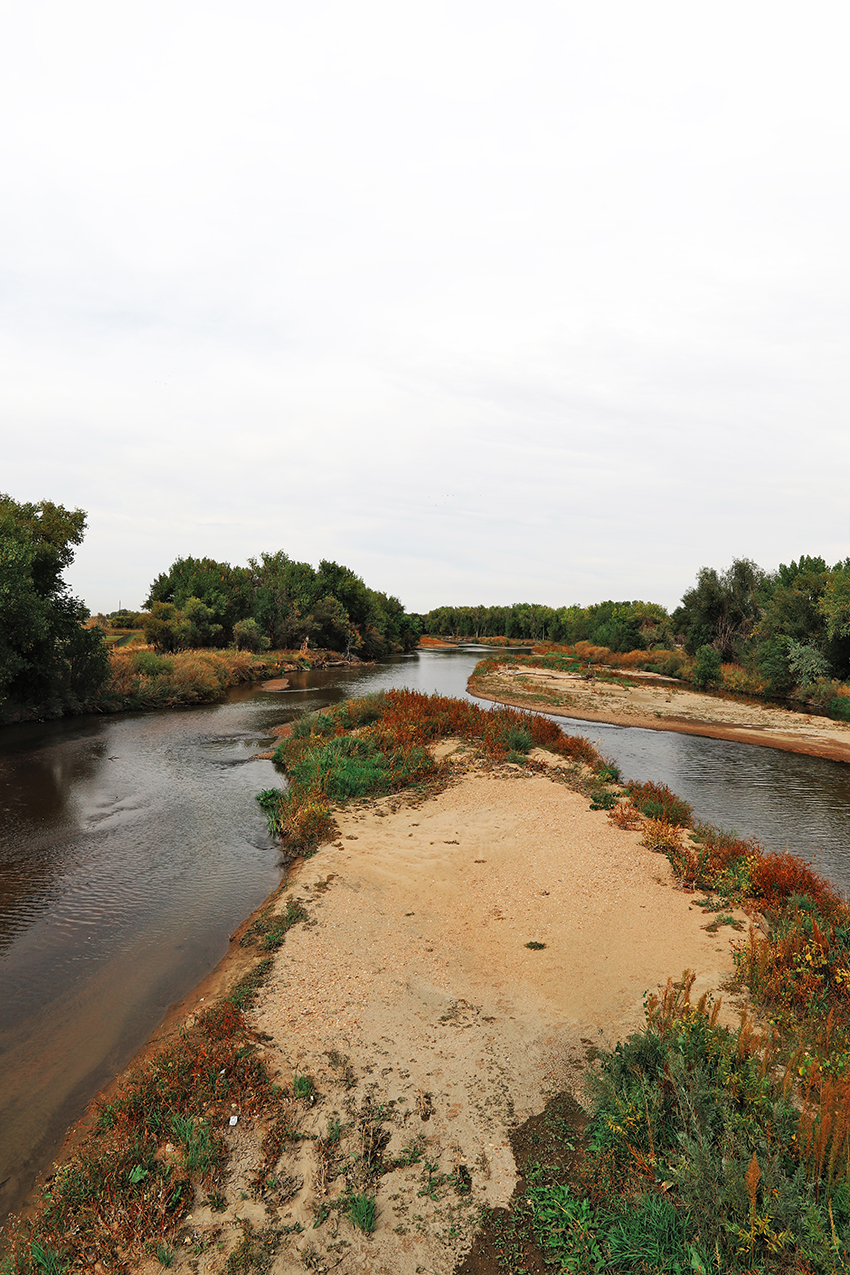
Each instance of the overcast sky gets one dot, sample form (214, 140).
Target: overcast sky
(489, 301)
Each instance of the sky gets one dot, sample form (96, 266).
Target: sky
(489, 301)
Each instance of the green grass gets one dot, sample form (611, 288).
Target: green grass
(303, 1086)
(361, 1212)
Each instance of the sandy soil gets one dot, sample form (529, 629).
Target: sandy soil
(427, 1024)
(654, 703)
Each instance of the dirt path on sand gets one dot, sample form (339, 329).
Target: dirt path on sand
(655, 704)
(429, 1027)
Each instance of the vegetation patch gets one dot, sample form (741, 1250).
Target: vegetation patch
(380, 744)
(144, 679)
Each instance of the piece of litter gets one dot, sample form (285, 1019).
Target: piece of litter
(234, 1120)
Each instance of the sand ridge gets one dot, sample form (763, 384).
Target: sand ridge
(412, 1000)
(654, 703)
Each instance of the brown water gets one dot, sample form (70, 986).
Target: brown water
(131, 847)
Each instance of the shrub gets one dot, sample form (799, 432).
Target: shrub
(839, 708)
(248, 636)
(625, 816)
(656, 801)
(806, 663)
(706, 668)
(149, 664)
(661, 836)
(752, 1179)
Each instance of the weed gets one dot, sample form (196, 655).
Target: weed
(303, 1086)
(535, 947)
(624, 815)
(271, 928)
(361, 1212)
(46, 1261)
(432, 1180)
(602, 799)
(199, 1148)
(412, 1153)
(656, 801)
(255, 1252)
(164, 1255)
(662, 836)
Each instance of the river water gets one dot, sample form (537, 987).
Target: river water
(131, 847)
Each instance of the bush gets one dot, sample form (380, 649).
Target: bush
(656, 801)
(247, 636)
(149, 664)
(839, 708)
(773, 663)
(706, 668)
(752, 1180)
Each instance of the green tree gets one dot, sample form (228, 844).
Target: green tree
(722, 609)
(283, 593)
(706, 667)
(773, 659)
(247, 636)
(47, 658)
(225, 591)
(165, 628)
(834, 602)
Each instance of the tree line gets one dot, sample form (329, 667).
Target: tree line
(53, 660)
(621, 626)
(792, 625)
(273, 603)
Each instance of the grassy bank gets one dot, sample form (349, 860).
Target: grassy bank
(707, 1149)
(144, 679)
(139, 678)
(379, 744)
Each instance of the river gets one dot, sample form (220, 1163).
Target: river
(131, 847)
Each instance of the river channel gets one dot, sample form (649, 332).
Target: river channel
(131, 847)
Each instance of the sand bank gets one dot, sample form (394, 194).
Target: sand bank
(654, 704)
(427, 1024)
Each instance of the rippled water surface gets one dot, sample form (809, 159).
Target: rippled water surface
(131, 847)
(786, 800)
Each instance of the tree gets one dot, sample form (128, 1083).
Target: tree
(722, 609)
(48, 660)
(225, 591)
(706, 667)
